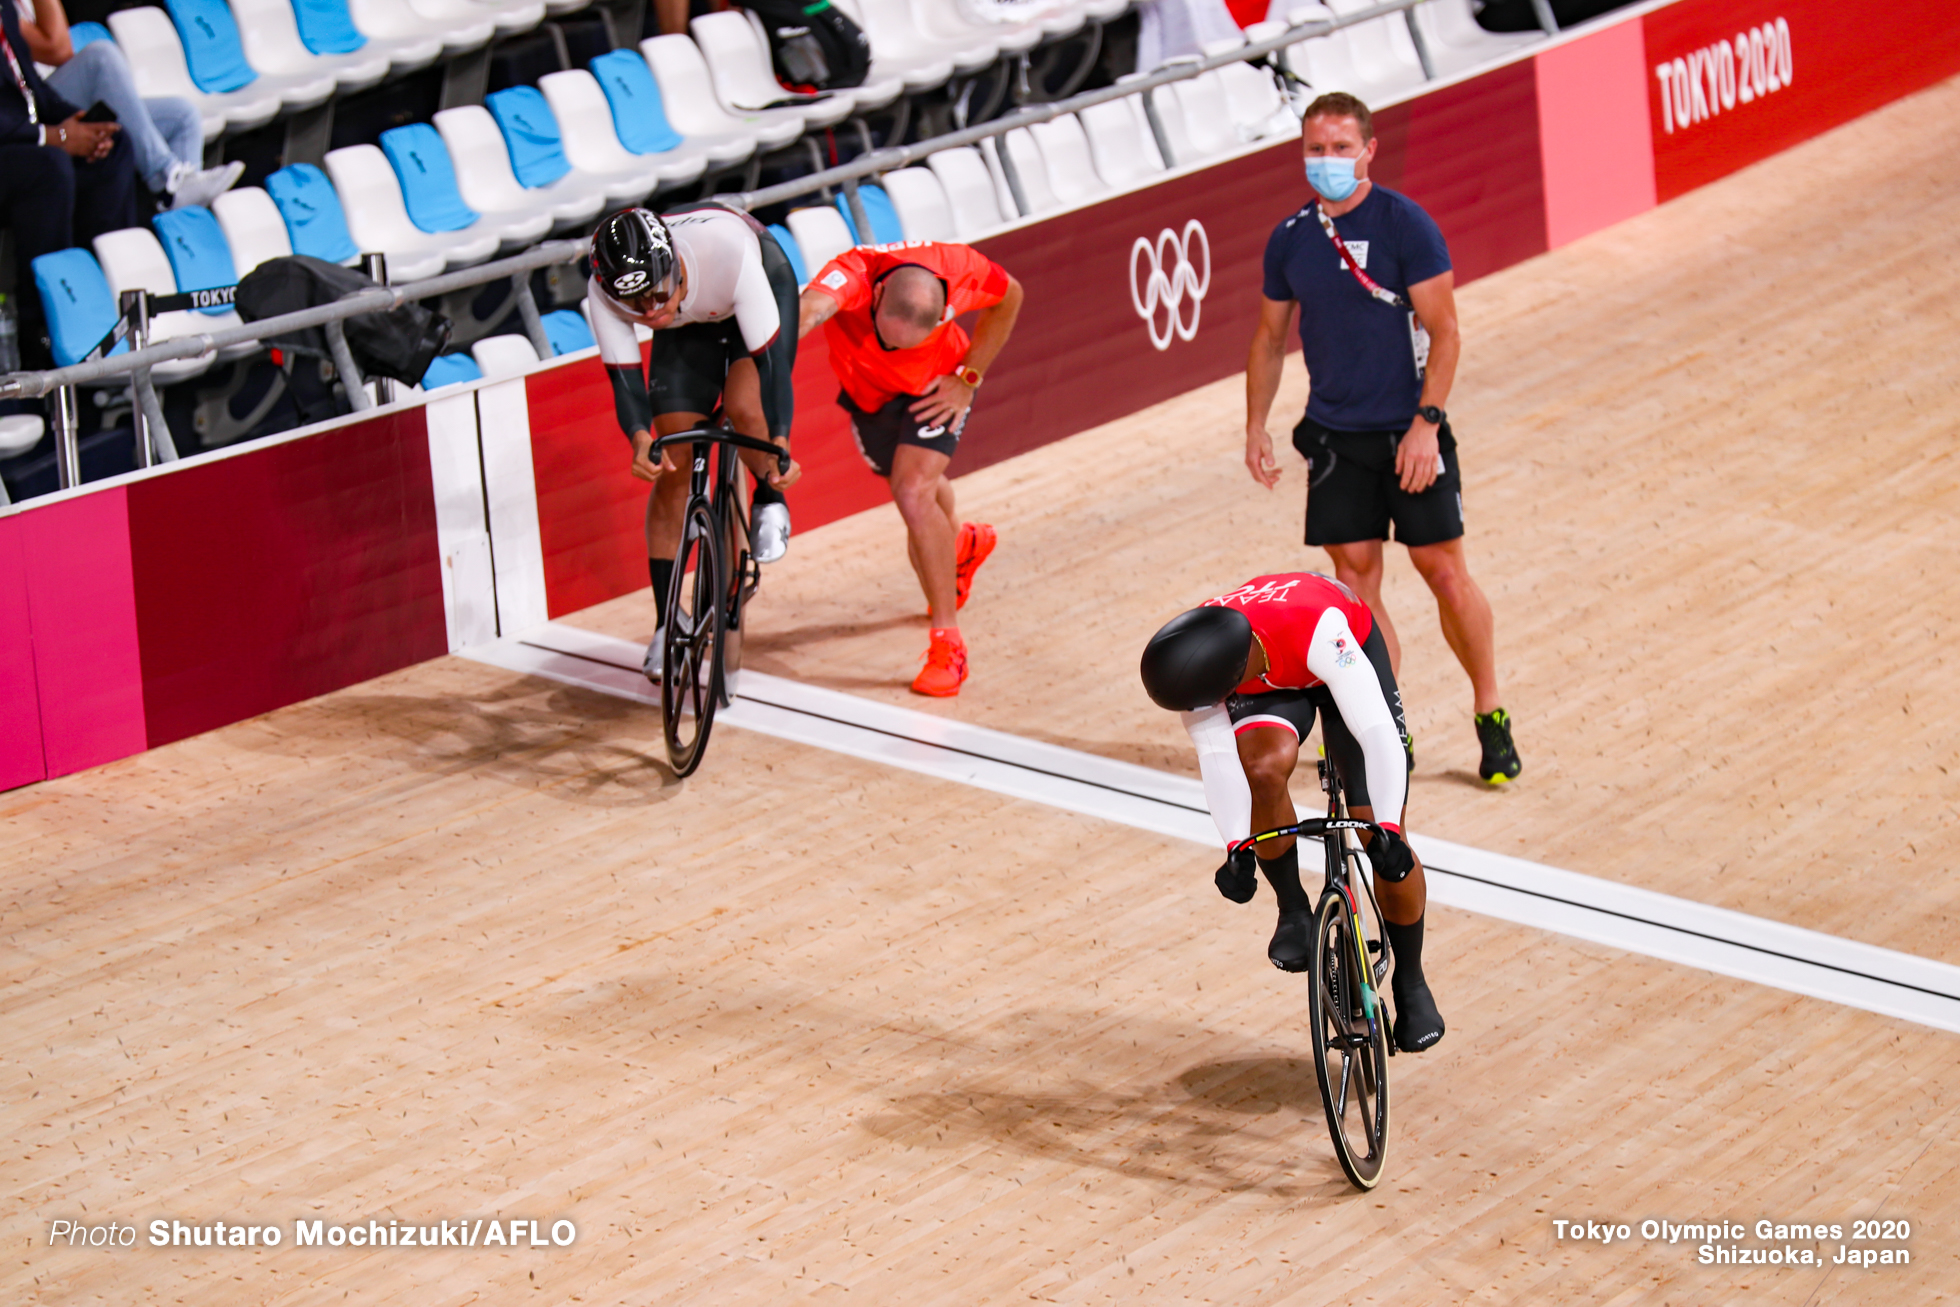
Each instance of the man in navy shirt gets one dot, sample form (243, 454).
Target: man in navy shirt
(1370, 274)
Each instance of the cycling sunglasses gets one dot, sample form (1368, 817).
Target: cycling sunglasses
(649, 299)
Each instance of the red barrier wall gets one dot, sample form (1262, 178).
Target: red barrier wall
(1845, 60)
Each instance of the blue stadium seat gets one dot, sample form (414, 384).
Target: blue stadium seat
(792, 250)
(325, 27)
(314, 221)
(211, 45)
(450, 370)
(886, 229)
(83, 35)
(537, 154)
(567, 331)
(199, 254)
(638, 115)
(79, 305)
(428, 179)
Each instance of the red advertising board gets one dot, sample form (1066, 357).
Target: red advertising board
(1734, 81)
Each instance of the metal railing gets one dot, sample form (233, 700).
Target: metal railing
(138, 365)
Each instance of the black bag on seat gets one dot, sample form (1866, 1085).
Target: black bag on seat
(397, 343)
(814, 45)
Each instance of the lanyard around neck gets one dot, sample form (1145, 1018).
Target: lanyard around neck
(20, 80)
(1368, 283)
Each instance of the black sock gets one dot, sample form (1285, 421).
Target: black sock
(661, 570)
(765, 494)
(1283, 874)
(1406, 943)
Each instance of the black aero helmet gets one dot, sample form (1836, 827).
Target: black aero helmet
(1196, 659)
(633, 255)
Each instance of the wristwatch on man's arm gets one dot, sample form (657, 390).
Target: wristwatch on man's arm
(1430, 413)
(967, 375)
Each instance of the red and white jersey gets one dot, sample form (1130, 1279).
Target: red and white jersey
(1285, 611)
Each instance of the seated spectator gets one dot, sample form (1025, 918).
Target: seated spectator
(166, 133)
(63, 182)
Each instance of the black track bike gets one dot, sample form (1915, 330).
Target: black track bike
(714, 578)
(1347, 1006)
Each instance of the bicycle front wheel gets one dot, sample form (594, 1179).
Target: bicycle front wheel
(1350, 1052)
(690, 686)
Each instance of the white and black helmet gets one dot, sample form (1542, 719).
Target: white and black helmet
(633, 255)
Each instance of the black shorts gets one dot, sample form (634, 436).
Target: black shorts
(1294, 710)
(689, 365)
(1353, 493)
(880, 434)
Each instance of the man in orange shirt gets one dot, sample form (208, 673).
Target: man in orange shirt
(908, 373)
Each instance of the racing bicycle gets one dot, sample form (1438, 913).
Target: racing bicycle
(1347, 1006)
(714, 578)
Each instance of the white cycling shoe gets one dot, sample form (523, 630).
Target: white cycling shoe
(769, 538)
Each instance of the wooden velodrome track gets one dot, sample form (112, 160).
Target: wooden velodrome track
(805, 1029)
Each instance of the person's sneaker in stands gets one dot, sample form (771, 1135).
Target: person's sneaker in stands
(188, 185)
(945, 669)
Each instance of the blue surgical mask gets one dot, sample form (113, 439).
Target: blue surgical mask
(1332, 176)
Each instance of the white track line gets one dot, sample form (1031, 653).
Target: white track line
(1511, 889)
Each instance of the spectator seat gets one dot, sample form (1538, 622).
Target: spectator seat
(1119, 137)
(969, 187)
(592, 146)
(820, 233)
(568, 332)
(743, 80)
(504, 356)
(378, 220)
(450, 370)
(687, 92)
(428, 180)
(395, 20)
(487, 184)
(640, 119)
(921, 204)
(269, 30)
(1070, 164)
(162, 71)
(327, 27)
(253, 227)
(886, 229)
(786, 241)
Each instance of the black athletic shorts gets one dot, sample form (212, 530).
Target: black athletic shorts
(1353, 493)
(880, 434)
(689, 365)
(1294, 710)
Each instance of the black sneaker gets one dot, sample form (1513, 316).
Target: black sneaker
(1500, 763)
(1292, 946)
(1418, 1025)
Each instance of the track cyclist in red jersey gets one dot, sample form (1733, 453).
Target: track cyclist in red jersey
(1248, 671)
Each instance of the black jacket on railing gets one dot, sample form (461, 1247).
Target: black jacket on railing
(15, 126)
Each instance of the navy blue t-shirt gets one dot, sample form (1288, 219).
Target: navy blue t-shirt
(1360, 352)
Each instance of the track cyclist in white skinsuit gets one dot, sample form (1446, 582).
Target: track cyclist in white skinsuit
(1248, 671)
(720, 298)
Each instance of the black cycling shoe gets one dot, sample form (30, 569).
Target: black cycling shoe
(1500, 763)
(1292, 946)
(1418, 1025)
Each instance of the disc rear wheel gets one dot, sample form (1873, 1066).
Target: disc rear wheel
(1350, 1052)
(696, 634)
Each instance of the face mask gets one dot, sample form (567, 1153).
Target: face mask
(1333, 177)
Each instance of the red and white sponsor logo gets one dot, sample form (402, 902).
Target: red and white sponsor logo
(1718, 78)
(1272, 592)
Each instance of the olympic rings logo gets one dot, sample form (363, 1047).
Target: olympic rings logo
(1171, 277)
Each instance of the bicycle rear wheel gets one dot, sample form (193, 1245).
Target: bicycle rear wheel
(690, 687)
(1350, 1052)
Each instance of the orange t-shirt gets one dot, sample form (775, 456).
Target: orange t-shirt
(872, 375)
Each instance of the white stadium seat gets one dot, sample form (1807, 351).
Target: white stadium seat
(950, 25)
(743, 80)
(969, 188)
(509, 17)
(900, 49)
(394, 20)
(1456, 42)
(687, 93)
(486, 183)
(1119, 137)
(1368, 61)
(133, 259)
(592, 145)
(162, 71)
(270, 36)
(252, 227)
(921, 204)
(504, 356)
(1070, 164)
(821, 233)
(1208, 124)
(1032, 171)
(377, 218)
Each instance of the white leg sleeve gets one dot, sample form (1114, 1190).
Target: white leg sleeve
(1335, 657)
(1227, 793)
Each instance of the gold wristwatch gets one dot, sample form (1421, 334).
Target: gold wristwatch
(968, 375)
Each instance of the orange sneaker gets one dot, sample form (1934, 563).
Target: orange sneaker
(977, 541)
(945, 669)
